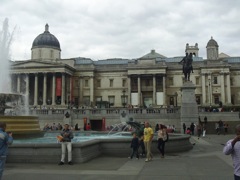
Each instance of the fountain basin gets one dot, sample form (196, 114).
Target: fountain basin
(22, 126)
(87, 150)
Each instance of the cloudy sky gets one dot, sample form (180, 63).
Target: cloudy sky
(102, 29)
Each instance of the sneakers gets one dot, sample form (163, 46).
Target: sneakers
(61, 163)
(70, 163)
(137, 158)
(129, 157)
(146, 160)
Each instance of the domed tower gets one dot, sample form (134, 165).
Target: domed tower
(212, 49)
(46, 46)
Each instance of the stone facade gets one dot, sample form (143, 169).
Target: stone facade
(152, 80)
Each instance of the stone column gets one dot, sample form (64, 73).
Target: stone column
(54, 89)
(10, 85)
(18, 83)
(164, 90)
(36, 90)
(228, 90)
(80, 91)
(189, 108)
(210, 89)
(154, 89)
(70, 88)
(44, 89)
(63, 89)
(222, 88)
(203, 89)
(139, 91)
(92, 91)
(129, 90)
(27, 88)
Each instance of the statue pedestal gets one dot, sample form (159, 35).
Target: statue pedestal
(189, 108)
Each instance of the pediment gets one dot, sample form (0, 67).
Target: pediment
(35, 64)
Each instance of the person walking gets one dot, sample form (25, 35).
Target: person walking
(148, 136)
(134, 146)
(162, 137)
(67, 136)
(184, 128)
(5, 140)
(232, 147)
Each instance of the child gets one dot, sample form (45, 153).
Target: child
(134, 146)
(188, 131)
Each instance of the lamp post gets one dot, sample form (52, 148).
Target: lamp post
(176, 94)
(124, 103)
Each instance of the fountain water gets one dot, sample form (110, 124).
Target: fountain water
(21, 126)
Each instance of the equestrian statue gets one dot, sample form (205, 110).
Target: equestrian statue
(187, 66)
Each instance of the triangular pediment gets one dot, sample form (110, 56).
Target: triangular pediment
(36, 64)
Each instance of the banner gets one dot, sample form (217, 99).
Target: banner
(58, 86)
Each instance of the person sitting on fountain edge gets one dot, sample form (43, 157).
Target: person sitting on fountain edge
(66, 144)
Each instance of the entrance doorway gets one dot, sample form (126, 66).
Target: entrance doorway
(96, 124)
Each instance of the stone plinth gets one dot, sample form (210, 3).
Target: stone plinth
(189, 108)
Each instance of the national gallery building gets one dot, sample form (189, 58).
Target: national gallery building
(152, 80)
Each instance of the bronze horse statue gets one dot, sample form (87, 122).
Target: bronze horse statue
(187, 66)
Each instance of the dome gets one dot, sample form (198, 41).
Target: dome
(212, 42)
(46, 39)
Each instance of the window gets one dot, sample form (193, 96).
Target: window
(86, 83)
(99, 83)
(147, 82)
(231, 81)
(197, 80)
(76, 83)
(111, 83)
(51, 54)
(124, 82)
(215, 80)
(216, 99)
(170, 81)
(124, 99)
(111, 100)
(40, 53)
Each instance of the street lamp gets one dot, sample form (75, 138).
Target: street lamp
(124, 103)
(176, 94)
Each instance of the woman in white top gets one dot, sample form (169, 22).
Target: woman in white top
(162, 137)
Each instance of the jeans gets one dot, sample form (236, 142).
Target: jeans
(2, 165)
(134, 151)
(68, 146)
(161, 146)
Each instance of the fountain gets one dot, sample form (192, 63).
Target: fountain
(11, 104)
(50, 152)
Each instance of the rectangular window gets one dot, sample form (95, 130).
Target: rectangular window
(98, 98)
(197, 80)
(110, 82)
(124, 82)
(216, 99)
(86, 83)
(231, 81)
(111, 100)
(215, 80)
(170, 81)
(99, 83)
(147, 82)
(76, 83)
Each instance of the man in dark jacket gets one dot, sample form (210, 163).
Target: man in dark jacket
(5, 140)
(66, 144)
